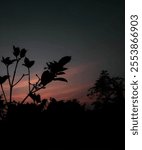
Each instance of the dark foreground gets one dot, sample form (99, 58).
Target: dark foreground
(59, 128)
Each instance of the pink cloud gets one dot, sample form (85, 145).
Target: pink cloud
(75, 88)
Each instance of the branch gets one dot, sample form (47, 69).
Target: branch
(29, 79)
(11, 86)
(38, 77)
(3, 92)
(43, 87)
(8, 75)
(31, 91)
(15, 71)
(20, 79)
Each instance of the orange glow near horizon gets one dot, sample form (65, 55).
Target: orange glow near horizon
(59, 90)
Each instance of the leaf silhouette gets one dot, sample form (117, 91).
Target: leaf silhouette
(63, 69)
(54, 69)
(60, 79)
(16, 51)
(3, 79)
(46, 77)
(64, 60)
(23, 53)
(35, 98)
(28, 63)
(7, 61)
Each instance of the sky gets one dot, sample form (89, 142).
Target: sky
(91, 31)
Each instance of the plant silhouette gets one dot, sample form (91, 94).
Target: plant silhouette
(99, 127)
(68, 118)
(54, 69)
(51, 73)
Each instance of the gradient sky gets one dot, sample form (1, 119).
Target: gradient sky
(91, 31)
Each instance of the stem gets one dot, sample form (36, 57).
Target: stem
(8, 75)
(31, 91)
(7, 68)
(11, 87)
(3, 92)
(10, 94)
(27, 96)
(38, 89)
(29, 79)
(20, 79)
(15, 71)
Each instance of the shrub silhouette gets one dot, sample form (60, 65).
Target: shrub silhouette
(51, 73)
(3, 109)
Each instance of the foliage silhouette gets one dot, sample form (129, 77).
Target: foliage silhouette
(101, 127)
(107, 88)
(28, 63)
(53, 69)
(36, 98)
(3, 79)
(3, 109)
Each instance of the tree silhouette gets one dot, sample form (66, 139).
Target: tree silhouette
(65, 107)
(107, 88)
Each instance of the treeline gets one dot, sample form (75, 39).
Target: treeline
(107, 92)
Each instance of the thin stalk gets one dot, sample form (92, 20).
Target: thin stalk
(27, 95)
(11, 87)
(7, 68)
(3, 92)
(15, 71)
(20, 79)
(10, 94)
(31, 91)
(38, 89)
(29, 79)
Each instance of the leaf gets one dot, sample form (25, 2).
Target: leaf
(63, 69)
(64, 60)
(26, 60)
(46, 77)
(28, 63)
(55, 62)
(3, 79)
(23, 53)
(35, 98)
(3, 60)
(31, 63)
(60, 79)
(7, 61)
(16, 51)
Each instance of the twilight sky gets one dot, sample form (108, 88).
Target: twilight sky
(91, 31)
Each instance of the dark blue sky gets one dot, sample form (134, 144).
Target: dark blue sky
(91, 31)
